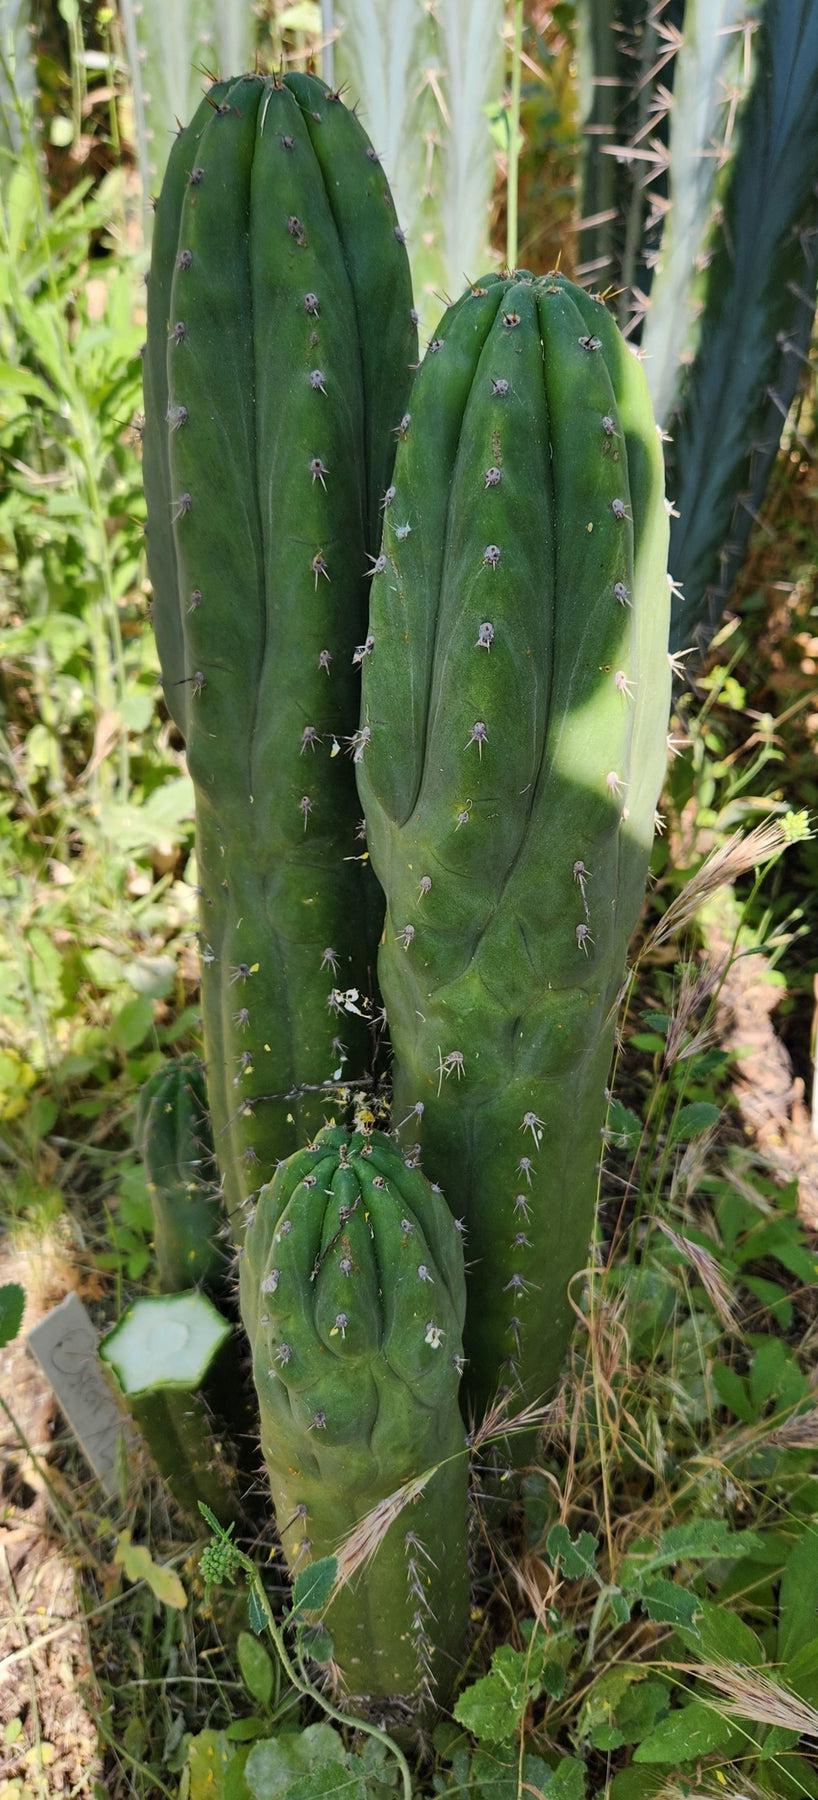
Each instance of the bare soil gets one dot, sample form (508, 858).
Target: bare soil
(48, 1741)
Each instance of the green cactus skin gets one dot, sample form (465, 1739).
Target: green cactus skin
(516, 698)
(175, 1143)
(352, 1295)
(759, 302)
(280, 339)
(165, 1355)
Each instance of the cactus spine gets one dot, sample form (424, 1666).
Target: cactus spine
(516, 700)
(165, 1355)
(352, 1295)
(174, 1140)
(279, 291)
(427, 78)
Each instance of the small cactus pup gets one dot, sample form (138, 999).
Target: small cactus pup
(515, 705)
(352, 1295)
(166, 1355)
(279, 353)
(175, 1143)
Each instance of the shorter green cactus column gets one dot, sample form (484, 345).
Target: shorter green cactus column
(352, 1294)
(515, 704)
(174, 1139)
(165, 1354)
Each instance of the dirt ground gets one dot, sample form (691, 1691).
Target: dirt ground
(48, 1741)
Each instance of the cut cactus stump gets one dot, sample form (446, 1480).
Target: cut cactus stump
(164, 1355)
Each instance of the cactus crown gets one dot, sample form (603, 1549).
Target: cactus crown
(352, 1290)
(352, 1295)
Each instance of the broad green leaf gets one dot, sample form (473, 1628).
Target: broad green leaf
(255, 1614)
(686, 1735)
(131, 1025)
(138, 1565)
(699, 1116)
(801, 1672)
(733, 1392)
(798, 1597)
(566, 1781)
(636, 1784)
(495, 1775)
(600, 1703)
(12, 1307)
(314, 1641)
(667, 1603)
(244, 1731)
(640, 1708)
(622, 1126)
(700, 1540)
(17, 380)
(719, 1635)
(338, 1778)
(313, 1586)
(775, 1376)
(493, 1706)
(577, 1556)
(623, 1706)
(208, 1758)
(256, 1668)
(276, 1766)
(773, 1298)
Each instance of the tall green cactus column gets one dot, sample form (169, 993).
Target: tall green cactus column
(515, 707)
(280, 339)
(353, 1297)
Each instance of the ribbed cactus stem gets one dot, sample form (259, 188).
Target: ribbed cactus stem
(516, 701)
(352, 1295)
(175, 1142)
(280, 339)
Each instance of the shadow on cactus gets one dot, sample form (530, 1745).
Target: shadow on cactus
(353, 1297)
(515, 706)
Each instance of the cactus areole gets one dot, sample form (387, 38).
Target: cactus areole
(280, 340)
(352, 1296)
(515, 705)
